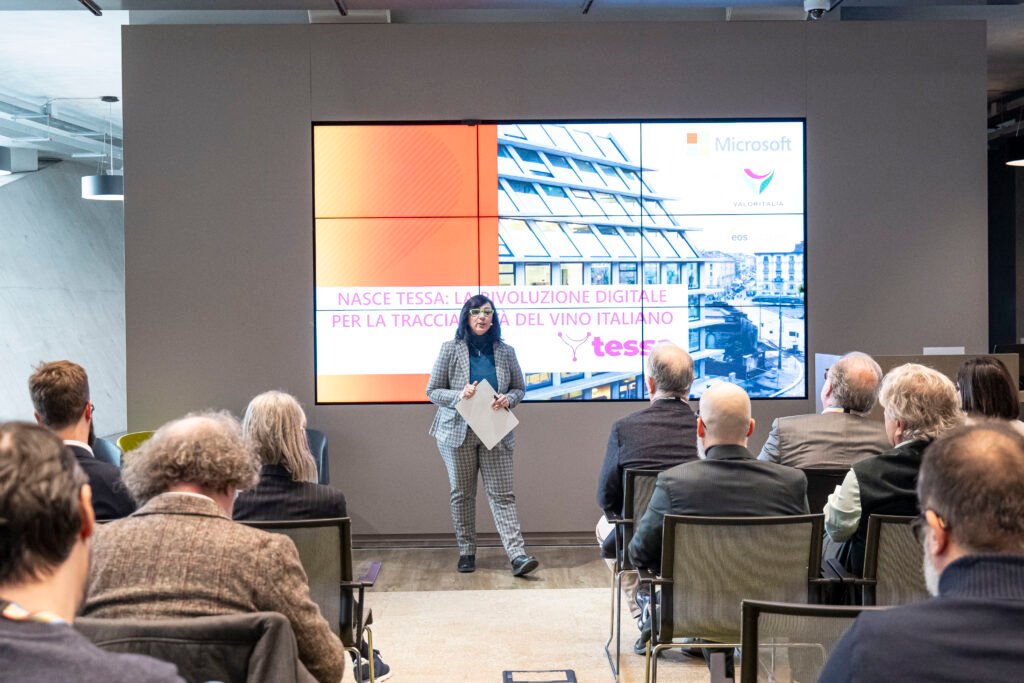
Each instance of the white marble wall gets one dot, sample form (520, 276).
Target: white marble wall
(61, 289)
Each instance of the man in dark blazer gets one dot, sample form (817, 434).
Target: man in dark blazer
(972, 527)
(655, 438)
(842, 434)
(729, 481)
(60, 396)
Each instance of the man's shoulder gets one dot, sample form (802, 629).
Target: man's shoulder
(659, 411)
(37, 651)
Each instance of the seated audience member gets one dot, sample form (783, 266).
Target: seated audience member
(972, 528)
(920, 405)
(842, 434)
(728, 482)
(180, 555)
(46, 528)
(655, 438)
(287, 488)
(987, 390)
(60, 396)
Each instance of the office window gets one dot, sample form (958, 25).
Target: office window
(693, 303)
(506, 274)
(584, 201)
(692, 272)
(651, 274)
(670, 273)
(585, 240)
(536, 380)
(627, 273)
(570, 376)
(520, 239)
(611, 239)
(538, 274)
(600, 273)
(694, 340)
(571, 273)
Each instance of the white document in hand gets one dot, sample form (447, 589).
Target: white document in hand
(489, 424)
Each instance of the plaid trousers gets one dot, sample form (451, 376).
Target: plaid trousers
(495, 466)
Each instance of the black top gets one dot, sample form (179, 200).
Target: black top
(279, 497)
(888, 486)
(970, 632)
(658, 437)
(36, 651)
(110, 499)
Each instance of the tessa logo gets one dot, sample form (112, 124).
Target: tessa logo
(758, 182)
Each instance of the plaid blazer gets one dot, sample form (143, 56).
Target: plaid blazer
(450, 375)
(180, 556)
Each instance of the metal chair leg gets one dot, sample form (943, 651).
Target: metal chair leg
(615, 632)
(369, 652)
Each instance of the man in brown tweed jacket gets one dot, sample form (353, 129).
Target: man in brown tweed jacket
(180, 555)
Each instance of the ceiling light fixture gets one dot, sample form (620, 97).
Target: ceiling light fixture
(18, 160)
(92, 7)
(106, 185)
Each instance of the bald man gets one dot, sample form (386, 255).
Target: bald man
(728, 482)
(842, 434)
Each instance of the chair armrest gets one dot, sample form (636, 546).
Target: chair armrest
(370, 577)
(649, 577)
(621, 522)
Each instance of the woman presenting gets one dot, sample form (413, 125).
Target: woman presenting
(477, 353)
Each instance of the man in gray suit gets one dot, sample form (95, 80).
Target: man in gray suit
(842, 434)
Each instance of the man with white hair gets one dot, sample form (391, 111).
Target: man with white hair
(728, 482)
(972, 527)
(661, 435)
(841, 434)
(920, 405)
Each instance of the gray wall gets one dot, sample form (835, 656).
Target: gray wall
(218, 210)
(61, 289)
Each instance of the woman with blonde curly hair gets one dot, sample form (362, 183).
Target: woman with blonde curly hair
(287, 488)
(920, 404)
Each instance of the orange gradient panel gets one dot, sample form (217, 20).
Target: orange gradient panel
(403, 171)
(371, 388)
(487, 171)
(398, 252)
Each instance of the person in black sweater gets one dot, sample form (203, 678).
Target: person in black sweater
(288, 488)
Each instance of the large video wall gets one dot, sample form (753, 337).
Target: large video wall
(595, 240)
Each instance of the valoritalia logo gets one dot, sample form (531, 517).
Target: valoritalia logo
(758, 182)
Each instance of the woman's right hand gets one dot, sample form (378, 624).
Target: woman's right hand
(469, 391)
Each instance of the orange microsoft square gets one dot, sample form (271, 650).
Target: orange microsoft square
(691, 138)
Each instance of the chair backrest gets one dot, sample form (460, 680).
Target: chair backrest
(318, 447)
(820, 485)
(106, 451)
(893, 562)
(637, 489)
(785, 642)
(132, 440)
(325, 550)
(714, 563)
(234, 648)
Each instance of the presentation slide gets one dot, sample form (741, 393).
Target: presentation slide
(595, 240)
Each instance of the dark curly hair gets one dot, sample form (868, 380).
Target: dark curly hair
(479, 301)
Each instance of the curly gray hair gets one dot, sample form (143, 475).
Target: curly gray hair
(925, 400)
(205, 449)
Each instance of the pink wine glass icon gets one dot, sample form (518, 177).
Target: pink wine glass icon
(573, 344)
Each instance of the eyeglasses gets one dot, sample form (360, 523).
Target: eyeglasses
(920, 523)
(485, 312)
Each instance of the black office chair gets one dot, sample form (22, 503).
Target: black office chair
(318, 447)
(820, 485)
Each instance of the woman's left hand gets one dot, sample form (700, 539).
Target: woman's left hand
(500, 401)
